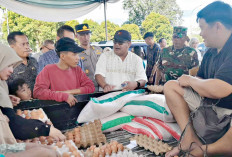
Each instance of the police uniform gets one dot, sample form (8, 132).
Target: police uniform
(90, 56)
(175, 62)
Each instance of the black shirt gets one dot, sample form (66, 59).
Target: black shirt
(219, 66)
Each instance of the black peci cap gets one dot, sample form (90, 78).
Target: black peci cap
(67, 44)
(122, 35)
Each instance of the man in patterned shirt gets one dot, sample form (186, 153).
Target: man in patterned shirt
(27, 70)
(153, 50)
(51, 56)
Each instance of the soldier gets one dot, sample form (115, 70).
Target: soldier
(175, 60)
(91, 54)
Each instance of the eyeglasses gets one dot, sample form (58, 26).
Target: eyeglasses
(119, 42)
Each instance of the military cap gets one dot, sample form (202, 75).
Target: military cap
(67, 44)
(180, 31)
(122, 35)
(148, 34)
(82, 28)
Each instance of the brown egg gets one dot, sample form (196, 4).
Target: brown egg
(59, 145)
(34, 117)
(120, 147)
(114, 142)
(25, 112)
(65, 154)
(42, 138)
(19, 112)
(50, 140)
(27, 117)
(76, 130)
(102, 153)
(92, 148)
(77, 140)
(114, 148)
(108, 151)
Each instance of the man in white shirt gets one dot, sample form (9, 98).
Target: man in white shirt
(120, 68)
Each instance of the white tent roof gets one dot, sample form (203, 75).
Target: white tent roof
(49, 14)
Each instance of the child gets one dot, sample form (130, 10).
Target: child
(20, 88)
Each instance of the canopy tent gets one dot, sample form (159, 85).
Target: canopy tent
(54, 10)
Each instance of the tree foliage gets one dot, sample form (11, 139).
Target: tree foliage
(139, 9)
(134, 30)
(159, 25)
(37, 31)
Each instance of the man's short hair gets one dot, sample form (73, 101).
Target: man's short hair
(217, 12)
(46, 42)
(160, 41)
(11, 37)
(148, 34)
(60, 31)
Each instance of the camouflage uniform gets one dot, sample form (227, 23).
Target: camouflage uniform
(89, 58)
(173, 63)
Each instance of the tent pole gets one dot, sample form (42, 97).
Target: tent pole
(105, 20)
(7, 21)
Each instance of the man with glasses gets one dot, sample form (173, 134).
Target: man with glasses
(175, 60)
(90, 56)
(120, 68)
(47, 46)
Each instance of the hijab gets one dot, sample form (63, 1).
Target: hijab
(7, 57)
(6, 136)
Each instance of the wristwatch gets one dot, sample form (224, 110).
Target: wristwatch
(138, 84)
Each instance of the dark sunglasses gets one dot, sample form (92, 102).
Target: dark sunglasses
(119, 42)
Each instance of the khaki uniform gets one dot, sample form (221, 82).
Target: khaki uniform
(89, 58)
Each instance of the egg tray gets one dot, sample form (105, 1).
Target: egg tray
(155, 88)
(67, 149)
(155, 146)
(34, 114)
(112, 149)
(87, 135)
(45, 140)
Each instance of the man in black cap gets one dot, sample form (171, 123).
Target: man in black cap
(91, 54)
(62, 80)
(120, 68)
(153, 51)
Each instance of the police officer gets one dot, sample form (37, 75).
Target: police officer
(91, 54)
(177, 59)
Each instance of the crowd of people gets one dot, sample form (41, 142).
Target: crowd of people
(64, 69)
